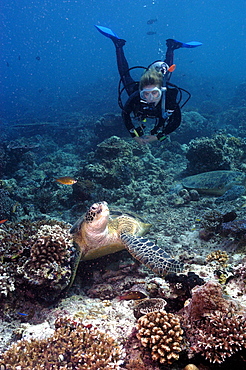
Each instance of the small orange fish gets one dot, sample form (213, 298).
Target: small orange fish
(172, 68)
(66, 180)
(2, 221)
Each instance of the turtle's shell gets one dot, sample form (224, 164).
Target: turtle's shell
(214, 182)
(97, 233)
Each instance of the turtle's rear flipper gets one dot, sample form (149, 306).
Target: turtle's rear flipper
(151, 255)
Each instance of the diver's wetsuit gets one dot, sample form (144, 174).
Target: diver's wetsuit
(140, 109)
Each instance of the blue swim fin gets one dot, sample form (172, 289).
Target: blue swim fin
(107, 32)
(191, 44)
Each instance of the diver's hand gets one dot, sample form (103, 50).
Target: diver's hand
(143, 140)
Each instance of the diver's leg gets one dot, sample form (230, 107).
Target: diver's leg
(129, 84)
(123, 67)
(171, 46)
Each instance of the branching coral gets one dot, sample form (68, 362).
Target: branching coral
(212, 326)
(38, 255)
(6, 282)
(72, 346)
(220, 336)
(161, 332)
(49, 258)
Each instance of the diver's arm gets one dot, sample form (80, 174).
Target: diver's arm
(173, 123)
(129, 107)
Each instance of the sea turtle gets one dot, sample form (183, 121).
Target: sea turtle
(214, 182)
(100, 232)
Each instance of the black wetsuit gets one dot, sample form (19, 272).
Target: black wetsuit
(142, 110)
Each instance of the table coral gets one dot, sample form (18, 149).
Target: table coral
(162, 333)
(72, 346)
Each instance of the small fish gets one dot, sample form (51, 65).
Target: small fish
(151, 21)
(150, 33)
(132, 295)
(19, 57)
(22, 313)
(7, 64)
(66, 180)
(2, 221)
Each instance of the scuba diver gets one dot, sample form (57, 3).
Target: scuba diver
(154, 96)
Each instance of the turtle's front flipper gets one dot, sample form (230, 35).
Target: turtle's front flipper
(150, 255)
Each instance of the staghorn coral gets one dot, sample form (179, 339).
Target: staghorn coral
(72, 346)
(220, 336)
(220, 257)
(161, 332)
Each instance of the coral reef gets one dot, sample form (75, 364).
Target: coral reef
(204, 155)
(205, 300)
(212, 324)
(220, 336)
(37, 256)
(72, 346)
(6, 205)
(162, 333)
(193, 125)
(7, 282)
(49, 262)
(220, 152)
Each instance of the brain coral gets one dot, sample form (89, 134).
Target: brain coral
(161, 332)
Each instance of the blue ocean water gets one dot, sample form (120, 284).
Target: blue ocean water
(53, 58)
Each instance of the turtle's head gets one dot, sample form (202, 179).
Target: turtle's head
(97, 212)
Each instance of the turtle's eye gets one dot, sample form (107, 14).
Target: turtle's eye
(94, 207)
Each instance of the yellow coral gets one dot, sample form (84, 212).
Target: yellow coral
(221, 257)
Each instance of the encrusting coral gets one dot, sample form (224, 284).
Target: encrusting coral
(72, 346)
(162, 333)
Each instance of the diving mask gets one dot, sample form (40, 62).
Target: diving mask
(150, 95)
